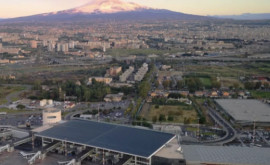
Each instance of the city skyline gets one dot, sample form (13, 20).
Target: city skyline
(16, 8)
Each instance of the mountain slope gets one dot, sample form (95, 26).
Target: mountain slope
(108, 10)
(246, 16)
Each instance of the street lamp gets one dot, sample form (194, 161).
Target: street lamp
(198, 131)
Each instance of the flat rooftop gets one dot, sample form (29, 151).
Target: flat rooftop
(171, 150)
(226, 155)
(123, 139)
(246, 110)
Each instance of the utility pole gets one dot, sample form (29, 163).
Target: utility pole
(198, 131)
(98, 113)
(103, 159)
(254, 133)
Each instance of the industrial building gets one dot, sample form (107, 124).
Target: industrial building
(222, 155)
(246, 111)
(105, 142)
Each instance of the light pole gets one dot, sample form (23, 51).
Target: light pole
(254, 132)
(198, 131)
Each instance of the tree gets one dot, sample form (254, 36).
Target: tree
(175, 95)
(249, 85)
(202, 120)
(37, 85)
(157, 84)
(187, 120)
(20, 106)
(166, 84)
(87, 94)
(194, 84)
(78, 92)
(180, 84)
(266, 85)
(258, 85)
(236, 85)
(162, 118)
(215, 84)
(144, 88)
(170, 118)
(154, 119)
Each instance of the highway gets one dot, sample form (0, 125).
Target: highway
(230, 131)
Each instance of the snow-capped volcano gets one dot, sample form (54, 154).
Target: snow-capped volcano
(109, 10)
(106, 6)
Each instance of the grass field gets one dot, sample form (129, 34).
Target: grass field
(260, 94)
(11, 111)
(206, 82)
(230, 71)
(179, 113)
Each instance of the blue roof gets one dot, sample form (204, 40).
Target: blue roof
(129, 140)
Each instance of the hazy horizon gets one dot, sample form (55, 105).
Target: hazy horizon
(17, 8)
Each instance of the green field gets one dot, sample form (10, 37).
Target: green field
(260, 94)
(179, 113)
(233, 71)
(11, 111)
(6, 90)
(206, 82)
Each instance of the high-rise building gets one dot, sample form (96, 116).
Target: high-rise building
(58, 48)
(71, 44)
(44, 43)
(64, 47)
(51, 47)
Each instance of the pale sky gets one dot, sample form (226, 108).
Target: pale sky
(16, 8)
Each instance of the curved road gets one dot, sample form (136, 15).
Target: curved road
(230, 131)
(14, 94)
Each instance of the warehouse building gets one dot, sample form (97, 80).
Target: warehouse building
(222, 155)
(246, 111)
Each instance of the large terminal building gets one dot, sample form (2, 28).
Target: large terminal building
(91, 142)
(78, 142)
(110, 141)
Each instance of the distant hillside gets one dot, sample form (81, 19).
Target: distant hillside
(146, 14)
(246, 16)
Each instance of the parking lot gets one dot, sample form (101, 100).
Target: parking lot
(21, 119)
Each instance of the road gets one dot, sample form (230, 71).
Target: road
(230, 131)
(14, 94)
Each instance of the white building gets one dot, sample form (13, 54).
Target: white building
(51, 116)
(141, 72)
(45, 102)
(126, 74)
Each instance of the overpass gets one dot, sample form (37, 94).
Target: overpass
(230, 131)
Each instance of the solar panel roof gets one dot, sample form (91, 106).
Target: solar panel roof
(118, 138)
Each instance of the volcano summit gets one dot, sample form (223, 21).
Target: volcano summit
(110, 10)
